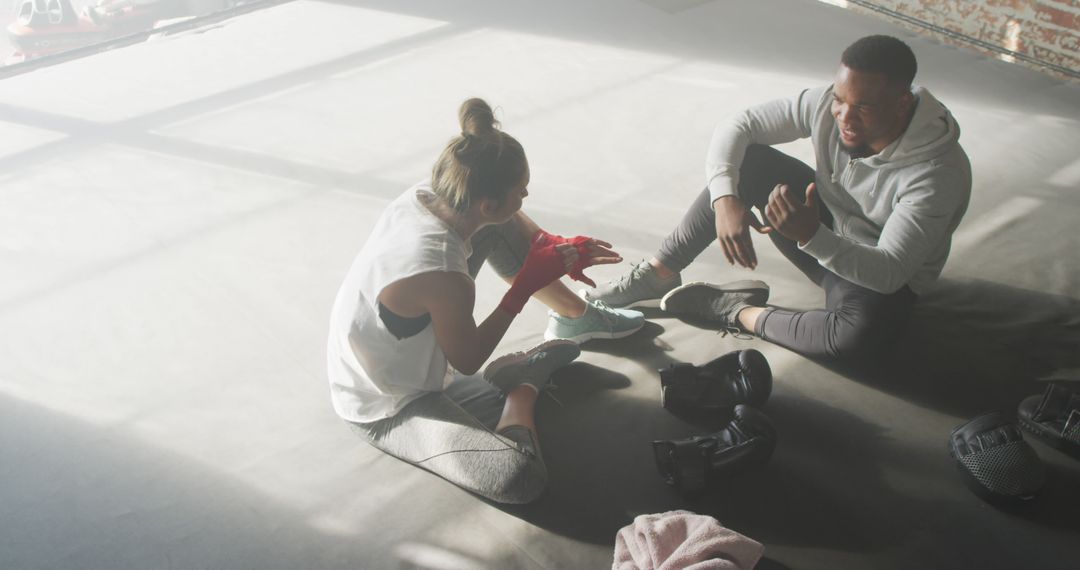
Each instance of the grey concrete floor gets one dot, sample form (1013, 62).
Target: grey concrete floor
(176, 216)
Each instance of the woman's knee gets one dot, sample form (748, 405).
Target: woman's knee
(522, 475)
(504, 246)
(523, 482)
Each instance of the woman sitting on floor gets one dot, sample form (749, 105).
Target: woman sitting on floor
(405, 311)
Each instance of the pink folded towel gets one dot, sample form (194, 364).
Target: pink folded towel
(681, 539)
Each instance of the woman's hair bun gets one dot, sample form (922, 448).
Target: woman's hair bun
(482, 163)
(476, 117)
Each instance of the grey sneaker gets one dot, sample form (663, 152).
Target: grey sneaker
(599, 321)
(718, 304)
(532, 367)
(642, 287)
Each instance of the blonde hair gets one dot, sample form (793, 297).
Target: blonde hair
(481, 162)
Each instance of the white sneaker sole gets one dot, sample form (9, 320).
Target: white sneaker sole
(595, 334)
(744, 285)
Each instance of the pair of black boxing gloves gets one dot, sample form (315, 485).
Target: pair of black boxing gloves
(732, 386)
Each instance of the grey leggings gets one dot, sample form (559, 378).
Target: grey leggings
(450, 433)
(856, 324)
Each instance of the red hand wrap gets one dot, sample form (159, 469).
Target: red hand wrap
(583, 260)
(543, 265)
(581, 243)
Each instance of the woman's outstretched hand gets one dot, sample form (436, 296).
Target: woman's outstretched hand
(552, 256)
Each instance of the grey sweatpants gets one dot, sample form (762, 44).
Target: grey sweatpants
(450, 433)
(856, 324)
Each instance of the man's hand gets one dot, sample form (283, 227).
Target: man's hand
(733, 223)
(795, 219)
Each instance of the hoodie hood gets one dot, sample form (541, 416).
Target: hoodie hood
(931, 133)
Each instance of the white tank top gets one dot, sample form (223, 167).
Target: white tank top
(372, 373)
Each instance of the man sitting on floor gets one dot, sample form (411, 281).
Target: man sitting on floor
(872, 226)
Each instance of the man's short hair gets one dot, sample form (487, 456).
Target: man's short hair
(882, 54)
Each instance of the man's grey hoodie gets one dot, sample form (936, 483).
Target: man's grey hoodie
(894, 213)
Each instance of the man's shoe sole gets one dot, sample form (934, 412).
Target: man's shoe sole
(670, 302)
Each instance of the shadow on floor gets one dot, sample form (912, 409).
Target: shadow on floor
(832, 483)
(974, 346)
(603, 474)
